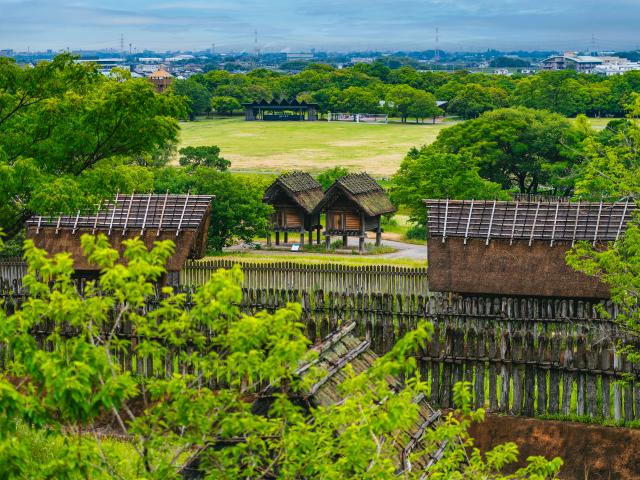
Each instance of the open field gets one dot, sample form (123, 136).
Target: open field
(313, 146)
(319, 258)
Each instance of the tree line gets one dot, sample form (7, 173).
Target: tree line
(376, 88)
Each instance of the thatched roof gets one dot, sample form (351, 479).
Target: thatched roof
(363, 191)
(334, 353)
(548, 221)
(344, 347)
(301, 187)
(135, 212)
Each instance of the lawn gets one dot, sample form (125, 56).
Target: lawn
(271, 147)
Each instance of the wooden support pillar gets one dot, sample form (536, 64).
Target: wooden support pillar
(318, 236)
(361, 245)
(269, 239)
(311, 237)
(301, 238)
(344, 241)
(286, 237)
(378, 236)
(277, 238)
(327, 241)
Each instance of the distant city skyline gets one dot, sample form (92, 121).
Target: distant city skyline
(285, 25)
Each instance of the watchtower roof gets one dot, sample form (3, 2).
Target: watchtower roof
(548, 221)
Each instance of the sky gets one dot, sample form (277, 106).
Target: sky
(299, 25)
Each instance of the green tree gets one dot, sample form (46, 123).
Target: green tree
(198, 97)
(562, 92)
(237, 210)
(59, 120)
(327, 177)
(169, 420)
(428, 173)
(518, 147)
(226, 105)
(203, 157)
(472, 100)
(424, 106)
(357, 100)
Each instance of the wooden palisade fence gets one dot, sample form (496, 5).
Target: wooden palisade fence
(523, 356)
(310, 277)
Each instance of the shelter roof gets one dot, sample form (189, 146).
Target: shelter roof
(135, 211)
(280, 103)
(300, 186)
(344, 347)
(364, 191)
(549, 221)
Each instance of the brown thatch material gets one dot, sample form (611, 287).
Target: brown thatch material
(300, 187)
(517, 248)
(343, 348)
(534, 221)
(363, 191)
(183, 219)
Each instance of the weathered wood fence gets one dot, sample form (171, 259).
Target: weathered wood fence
(310, 277)
(523, 356)
(12, 269)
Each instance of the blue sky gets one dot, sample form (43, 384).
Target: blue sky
(293, 25)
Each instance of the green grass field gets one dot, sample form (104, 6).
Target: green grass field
(312, 146)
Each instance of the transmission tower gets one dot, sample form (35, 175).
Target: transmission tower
(436, 56)
(122, 45)
(256, 49)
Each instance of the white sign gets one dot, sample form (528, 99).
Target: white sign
(295, 247)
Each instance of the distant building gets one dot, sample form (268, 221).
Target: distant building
(105, 65)
(367, 60)
(161, 79)
(502, 71)
(610, 69)
(150, 60)
(572, 61)
(299, 56)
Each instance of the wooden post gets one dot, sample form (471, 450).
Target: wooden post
(277, 238)
(310, 237)
(269, 239)
(301, 237)
(327, 241)
(344, 241)
(361, 245)
(286, 237)
(378, 236)
(318, 236)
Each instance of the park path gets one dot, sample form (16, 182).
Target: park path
(403, 250)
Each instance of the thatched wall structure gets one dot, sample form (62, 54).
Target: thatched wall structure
(517, 248)
(183, 219)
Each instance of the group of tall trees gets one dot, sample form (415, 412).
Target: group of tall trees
(526, 151)
(372, 88)
(71, 137)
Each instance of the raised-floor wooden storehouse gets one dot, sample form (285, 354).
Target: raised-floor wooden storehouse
(183, 219)
(294, 197)
(335, 352)
(354, 205)
(281, 110)
(517, 248)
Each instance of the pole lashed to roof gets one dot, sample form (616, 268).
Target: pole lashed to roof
(531, 221)
(135, 213)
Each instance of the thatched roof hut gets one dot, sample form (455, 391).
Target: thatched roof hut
(184, 219)
(354, 205)
(294, 196)
(517, 248)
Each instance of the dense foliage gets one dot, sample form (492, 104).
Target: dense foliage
(68, 133)
(170, 420)
(372, 89)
